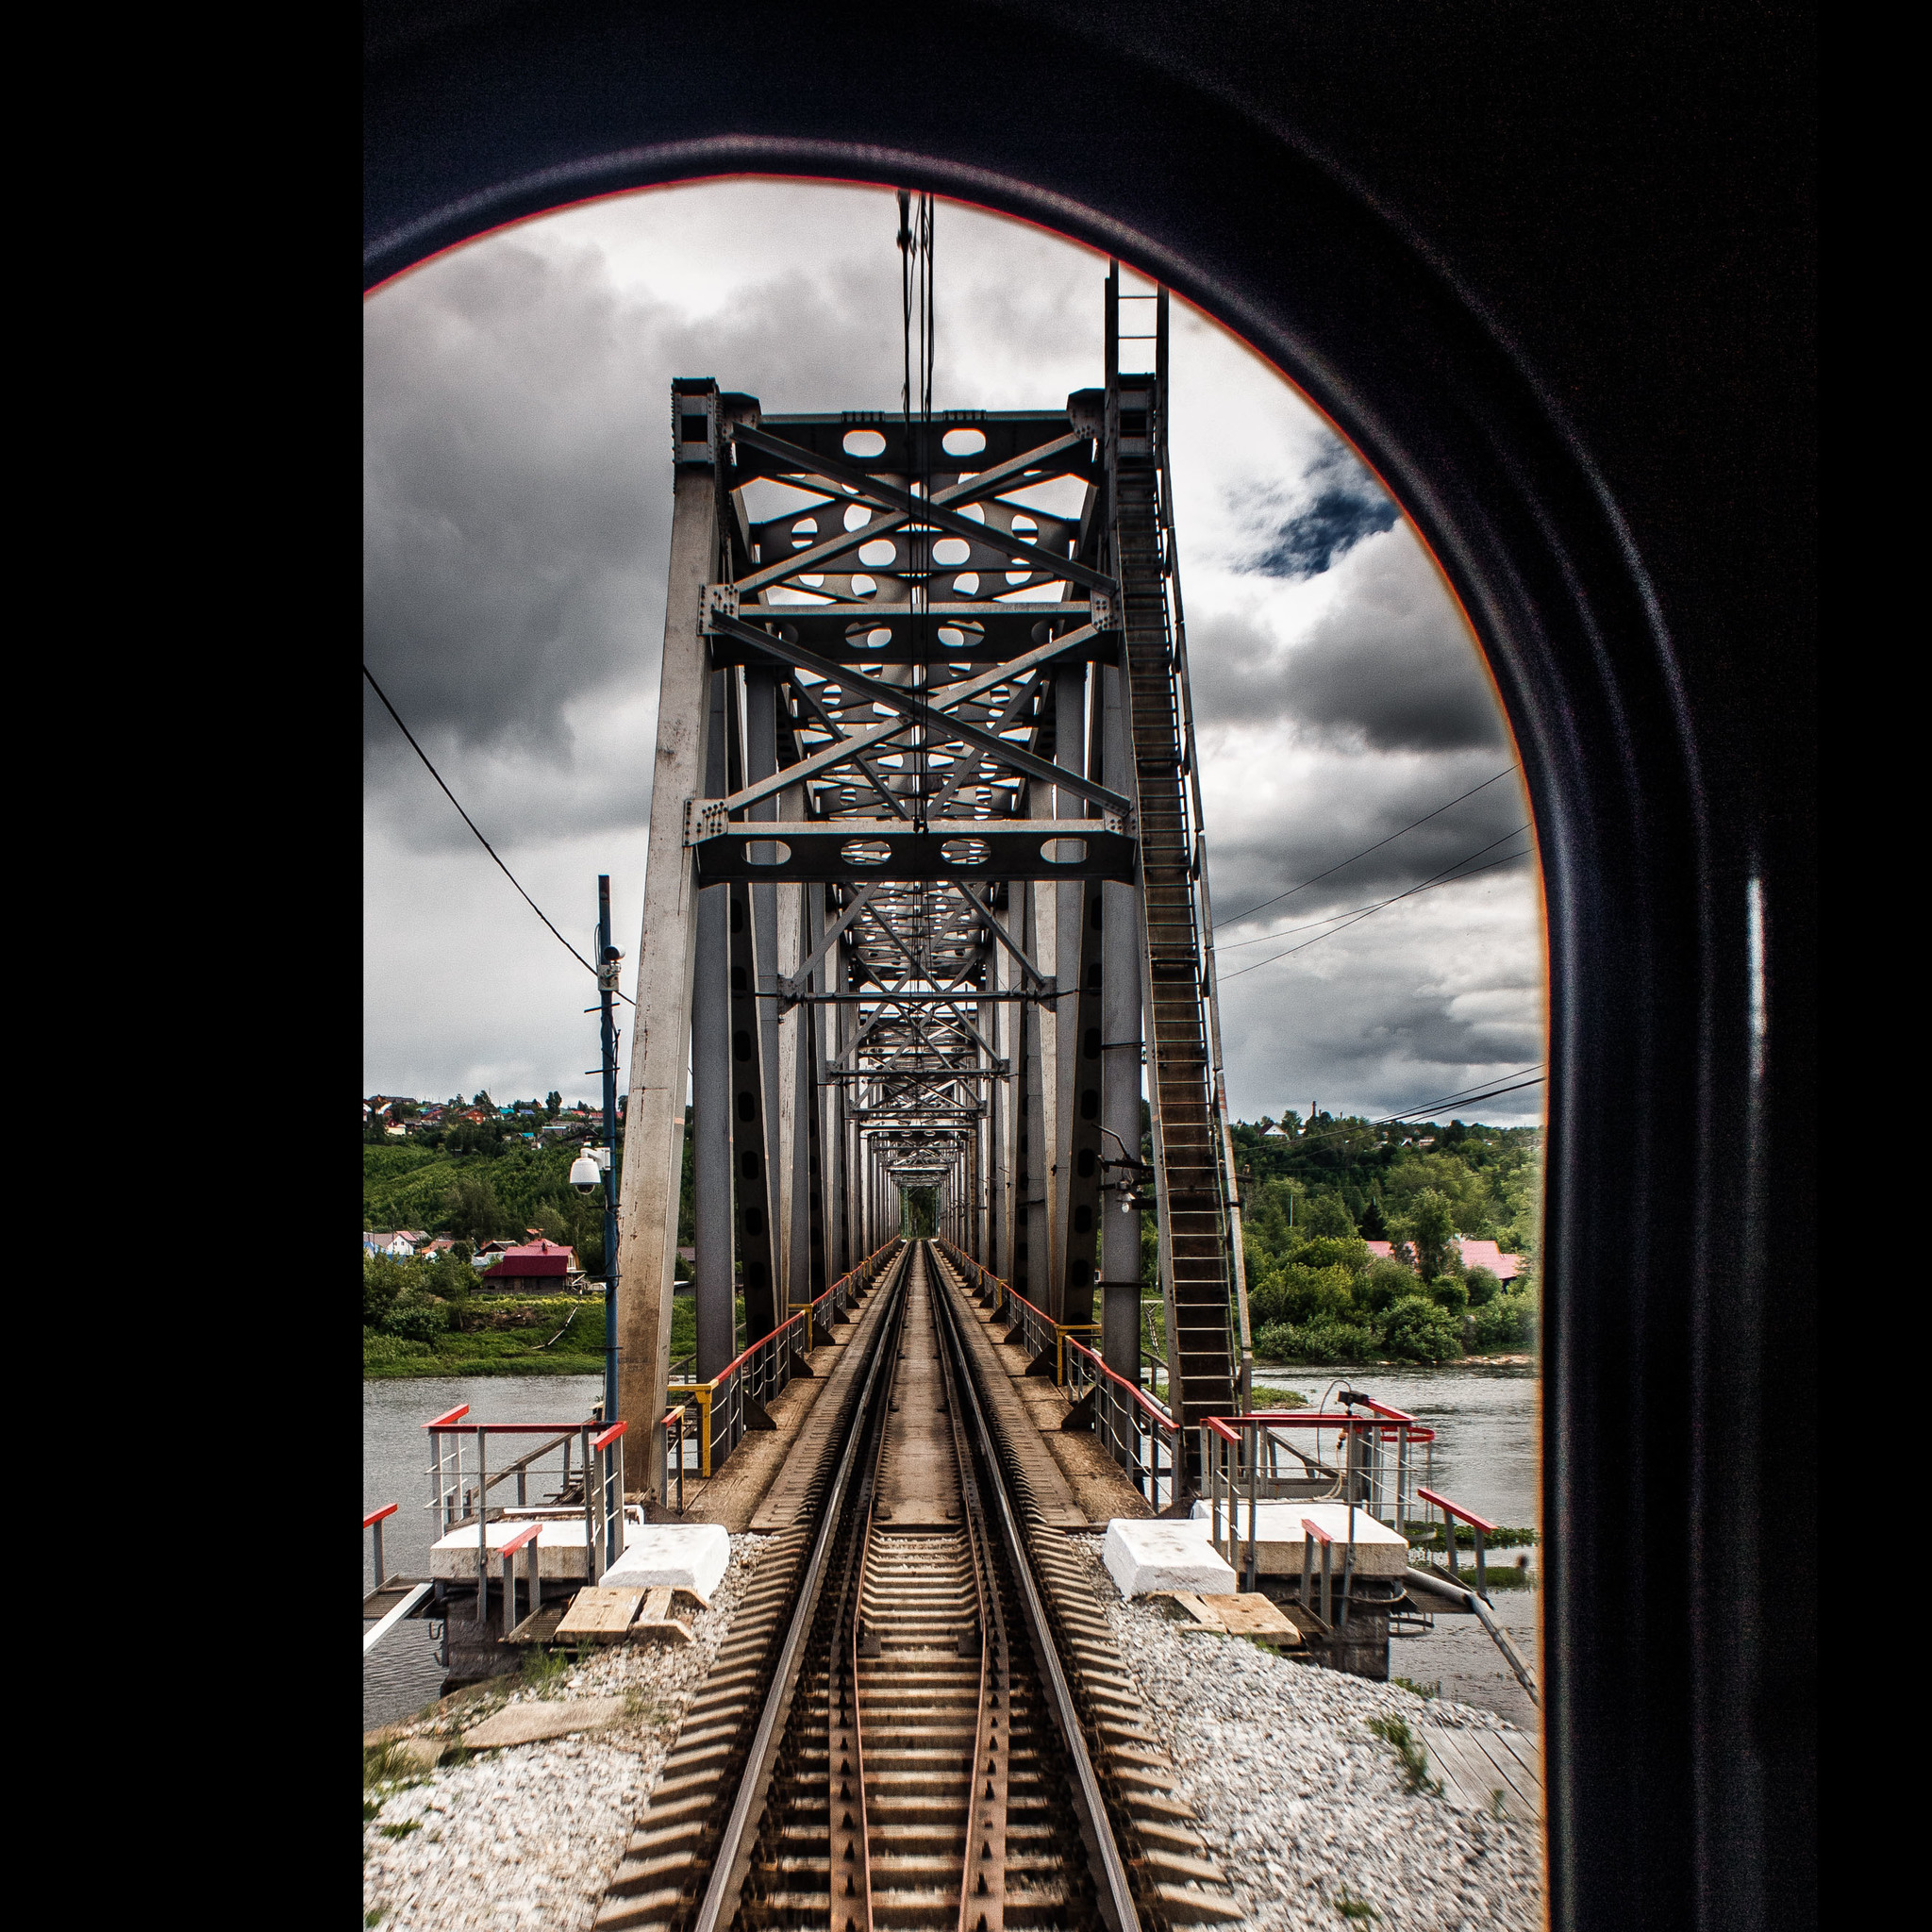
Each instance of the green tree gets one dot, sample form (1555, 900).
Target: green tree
(1483, 1287)
(1384, 1282)
(1430, 1227)
(384, 1279)
(1416, 1330)
(1372, 1226)
(1450, 1291)
(553, 1106)
(1327, 1214)
(471, 1211)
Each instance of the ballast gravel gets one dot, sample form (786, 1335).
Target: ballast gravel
(1304, 1808)
(528, 1838)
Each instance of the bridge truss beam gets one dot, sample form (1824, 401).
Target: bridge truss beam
(925, 852)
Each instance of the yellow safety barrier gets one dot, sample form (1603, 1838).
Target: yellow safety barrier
(700, 1392)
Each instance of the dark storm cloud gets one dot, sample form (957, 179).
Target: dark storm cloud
(1393, 669)
(517, 513)
(1341, 504)
(1251, 875)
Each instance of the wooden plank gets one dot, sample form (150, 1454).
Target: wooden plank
(1526, 1749)
(600, 1614)
(666, 1630)
(1252, 1615)
(656, 1604)
(1449, 1760)
(539, 1626)
(1514, 1777)
(1197, 1608)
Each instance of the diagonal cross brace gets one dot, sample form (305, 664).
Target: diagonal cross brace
(987, 483)
(916, 711)
(872, 736)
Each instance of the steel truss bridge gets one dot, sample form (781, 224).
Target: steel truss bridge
(926, 894)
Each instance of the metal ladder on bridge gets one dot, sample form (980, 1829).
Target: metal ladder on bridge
(1201, 1251)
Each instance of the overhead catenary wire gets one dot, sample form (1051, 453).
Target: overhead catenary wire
(1239, 918)
(429, 766)
(1440, 878)
(1309, 924)
(1469, 1097)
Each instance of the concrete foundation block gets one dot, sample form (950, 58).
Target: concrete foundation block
(1144, 1557)
(682, 1555)
(1278, 1538)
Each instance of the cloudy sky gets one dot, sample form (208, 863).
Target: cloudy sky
(518, 492)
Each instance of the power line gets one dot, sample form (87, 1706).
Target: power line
(1236, 918)
(472, 823)
(1468, 1097)
(1440, 878)
(1308, 925)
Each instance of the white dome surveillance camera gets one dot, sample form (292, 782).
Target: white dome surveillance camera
(584, 1174)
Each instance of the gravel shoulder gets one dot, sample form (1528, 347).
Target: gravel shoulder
(1306, 1808)
(1304, 1805)
(528, 1838)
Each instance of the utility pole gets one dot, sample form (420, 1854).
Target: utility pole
(607, 960)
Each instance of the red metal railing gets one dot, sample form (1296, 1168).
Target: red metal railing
(764, 1368)
(1454, 1513)
(534, 1595)
(460, 1496)
(375, 1521)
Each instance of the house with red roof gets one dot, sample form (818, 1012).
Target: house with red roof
(1505, 1268)
(533, 1267)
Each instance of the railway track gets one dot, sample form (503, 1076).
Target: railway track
(916, 1724)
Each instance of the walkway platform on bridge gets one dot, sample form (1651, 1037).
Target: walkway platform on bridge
(1087, 1489)
(761, 1482)
(751, 1490)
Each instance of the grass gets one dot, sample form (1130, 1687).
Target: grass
(1423, 1691)
(1279, 1398)
(401, 1830)
(1355, 1910)
(1497, 1808)
(1414, 1760)
(1428, 1536)
(545, 1670)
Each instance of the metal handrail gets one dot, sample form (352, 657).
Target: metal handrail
(765, 1367)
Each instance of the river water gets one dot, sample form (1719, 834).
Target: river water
(403, 1674)
(1484, 1454)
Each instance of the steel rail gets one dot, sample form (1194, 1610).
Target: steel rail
(988, 1809)
(732, 1864)
(1115, 1894)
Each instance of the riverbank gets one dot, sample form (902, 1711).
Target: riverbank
(550, 1336)
(1527, 1363)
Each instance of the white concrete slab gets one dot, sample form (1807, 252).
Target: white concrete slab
(1166, 1554)
(1278, 1537)
(560, 1552)
(684, 1556)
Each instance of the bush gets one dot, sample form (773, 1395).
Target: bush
(1507, 1322)
(1297, 1293)
(1323, 1341)
(384, 1278)
(391, 1348)
(1415, 1329)
(415, 1318)
(1385, 1283)
(1483, 1287)
(1450, 1291)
